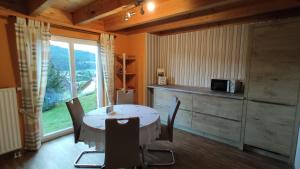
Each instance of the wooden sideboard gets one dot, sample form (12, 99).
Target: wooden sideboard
(216, 115)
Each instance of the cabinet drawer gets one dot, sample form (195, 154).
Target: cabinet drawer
(163, 97)
(219, 127)
(269, 126)
(186, 100)
(217, 106)
(184, 118)
(163, 112)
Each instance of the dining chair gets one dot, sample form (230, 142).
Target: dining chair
(167, 132)
(77, 113)
(122, 143)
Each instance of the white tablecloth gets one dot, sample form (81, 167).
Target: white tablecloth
(93, 128)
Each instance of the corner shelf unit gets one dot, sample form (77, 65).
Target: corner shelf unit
(125, 73)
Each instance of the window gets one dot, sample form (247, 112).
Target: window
(72, 72)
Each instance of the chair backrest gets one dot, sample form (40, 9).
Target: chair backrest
(175, 103)
(77, 113)
(122, 143)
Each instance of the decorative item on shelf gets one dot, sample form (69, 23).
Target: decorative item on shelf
(161, 78)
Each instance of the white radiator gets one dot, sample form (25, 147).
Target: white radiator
(10, 139)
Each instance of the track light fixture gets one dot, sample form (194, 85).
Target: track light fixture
(128, 15)
(139, 3)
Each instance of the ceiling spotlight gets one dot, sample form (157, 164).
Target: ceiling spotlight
(150, 6)
(126, 18)
(128, 15)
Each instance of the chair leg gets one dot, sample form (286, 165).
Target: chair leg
(87, 165)
(163, 151)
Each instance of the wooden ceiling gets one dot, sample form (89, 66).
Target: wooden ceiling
(168, 15)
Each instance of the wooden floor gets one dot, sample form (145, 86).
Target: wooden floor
(192, 152)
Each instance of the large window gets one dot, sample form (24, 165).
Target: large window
(72, 72)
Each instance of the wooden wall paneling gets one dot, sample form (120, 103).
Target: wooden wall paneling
(217, 106)
(270, 126)
(152, 54)
(194, 58)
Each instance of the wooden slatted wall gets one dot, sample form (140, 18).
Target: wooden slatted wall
(194, 58)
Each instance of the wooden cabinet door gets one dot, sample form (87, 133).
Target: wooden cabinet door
(270, 126)
(275, 63)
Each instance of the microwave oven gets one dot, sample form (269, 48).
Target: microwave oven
(230, 86)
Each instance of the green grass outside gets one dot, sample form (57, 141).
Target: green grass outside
(58, 118)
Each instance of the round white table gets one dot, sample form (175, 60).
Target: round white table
(93, 128)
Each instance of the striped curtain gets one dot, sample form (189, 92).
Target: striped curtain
(107, 60)
(33, 41)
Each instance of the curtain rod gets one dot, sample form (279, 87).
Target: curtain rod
(75, 29)
(80, 30)
(67, 27)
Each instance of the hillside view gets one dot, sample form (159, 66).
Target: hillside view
(58, 91)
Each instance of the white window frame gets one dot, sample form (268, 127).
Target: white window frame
(99, 81)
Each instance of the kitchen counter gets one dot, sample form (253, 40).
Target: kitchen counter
(199, 90)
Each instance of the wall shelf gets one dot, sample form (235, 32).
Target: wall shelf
(125, 73)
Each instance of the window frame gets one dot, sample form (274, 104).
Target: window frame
(72, 65)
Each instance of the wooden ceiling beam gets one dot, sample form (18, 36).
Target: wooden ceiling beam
(164, 10)
(17, 5)
(99, 9)
(247, 10)
(36, 7)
